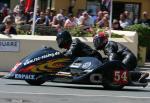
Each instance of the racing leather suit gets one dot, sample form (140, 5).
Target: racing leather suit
(116, 51)
(80, 49)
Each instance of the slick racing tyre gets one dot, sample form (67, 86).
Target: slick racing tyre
(35, 82)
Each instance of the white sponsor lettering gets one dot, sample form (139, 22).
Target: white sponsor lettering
(86, 65)
(40, 58)
(75, 65)
(24, 76)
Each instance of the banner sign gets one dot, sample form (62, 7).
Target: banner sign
(9, 45)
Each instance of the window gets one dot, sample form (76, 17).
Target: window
(133, 9)
(120, 7)
(93, 6)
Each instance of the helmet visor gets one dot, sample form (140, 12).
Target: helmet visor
(98, 43)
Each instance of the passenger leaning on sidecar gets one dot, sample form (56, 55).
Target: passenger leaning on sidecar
(75, 48)
(117, 51)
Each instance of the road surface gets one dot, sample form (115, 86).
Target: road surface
(17, 91)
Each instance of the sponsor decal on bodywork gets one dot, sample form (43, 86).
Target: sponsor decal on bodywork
(24, 76)
(75, 65)
(120, 77)
(51, 66)
(40, 58)
(15, 67)
(86, 65)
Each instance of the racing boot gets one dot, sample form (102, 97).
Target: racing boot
(143, 77)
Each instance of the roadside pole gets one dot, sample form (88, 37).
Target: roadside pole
(34, 16)
(110, 18)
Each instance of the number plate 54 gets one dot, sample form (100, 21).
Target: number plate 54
(120, 77)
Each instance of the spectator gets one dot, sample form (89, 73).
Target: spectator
(86, 20)
(52, 14)
(127, 16)
(5, 10)
(8, 28)
(123, 21)
(145, 20)
(31, 16)
(62, 12)
(42, 20)
(105, 12)
(104, 23)
(92, 14)
(21, 18)
(58, 21)
(47, 13)
(70, 22)
(20, 7)
(99, 17)
(136, 19)
(116, 25)
(9, 16)
(79, 13)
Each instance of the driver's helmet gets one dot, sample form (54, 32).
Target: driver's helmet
(64, 39)
(100, 40)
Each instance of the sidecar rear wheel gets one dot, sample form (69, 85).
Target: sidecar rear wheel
(35, 82)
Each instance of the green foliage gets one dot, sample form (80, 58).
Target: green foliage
(45, 30)
(80, 32)
(76, 32)
(114, 35)
(39, 30)
(143, 34)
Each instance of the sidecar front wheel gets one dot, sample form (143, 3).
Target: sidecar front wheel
(35, 82)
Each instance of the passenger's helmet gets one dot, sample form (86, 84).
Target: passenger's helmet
(64, 39)
(100, 40)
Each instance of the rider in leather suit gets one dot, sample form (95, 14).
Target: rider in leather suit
(75, 48)
(115, 51)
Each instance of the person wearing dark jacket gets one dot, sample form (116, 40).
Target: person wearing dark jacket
(75, 48)
(117, 51)
(8, 28)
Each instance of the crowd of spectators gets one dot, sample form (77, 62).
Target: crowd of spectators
(62, 19)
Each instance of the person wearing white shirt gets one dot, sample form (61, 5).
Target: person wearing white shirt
(70, 22)
(86, 21)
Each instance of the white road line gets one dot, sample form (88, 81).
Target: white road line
(77, 95)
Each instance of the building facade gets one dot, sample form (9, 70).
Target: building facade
(136, 7)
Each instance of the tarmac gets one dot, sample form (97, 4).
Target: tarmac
(145, 68)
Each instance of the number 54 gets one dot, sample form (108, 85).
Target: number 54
(120, 76)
